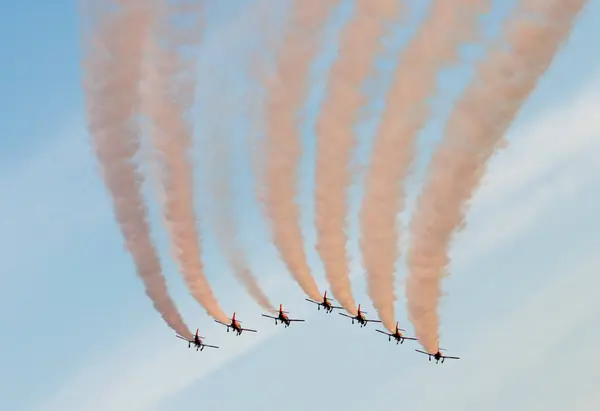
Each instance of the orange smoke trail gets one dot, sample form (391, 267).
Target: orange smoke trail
(478, 122)
(285, 94)
(169, 94)
(113, 62)
(358, 47)
(224, 225)
(436, 42)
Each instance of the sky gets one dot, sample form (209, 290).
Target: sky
(78, 332)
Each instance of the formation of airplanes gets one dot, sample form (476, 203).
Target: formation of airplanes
(283, 318)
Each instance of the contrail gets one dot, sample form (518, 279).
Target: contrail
(224, 223)
(285, 95)
(359, 44)
(169, 95)
(435, 44)
(112, 65)
(480, 118)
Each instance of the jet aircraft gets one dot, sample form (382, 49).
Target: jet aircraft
(326, 303)
(360, 317)
(398, 336)
(197, 341)
(235, 325)
(282, 316)
(438, 355)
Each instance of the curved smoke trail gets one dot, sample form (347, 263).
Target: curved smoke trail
(113, 61)
(479, 120)
(169, 94)
(359, 44)
(435, 44)
(224, 223)
(285, 95)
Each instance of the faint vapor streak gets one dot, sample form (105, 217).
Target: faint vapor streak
(223, 218)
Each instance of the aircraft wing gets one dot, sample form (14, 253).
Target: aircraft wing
(270, 316)
(335, 306)
(183, 338)
(409, 338)
(221, 322)
(311, 301)
(210, 346)
(345, 315)
(297, 320)
(247, 329)
(423, 352)
(373, 321)
(383, 332)
(451, 358)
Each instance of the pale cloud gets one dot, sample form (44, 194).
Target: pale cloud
(138, 376)
(517, 343)
(148, 368)
(549, 159)
(562, 133)
(590, 402)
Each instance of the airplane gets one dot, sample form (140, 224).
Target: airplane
(197, 341)
(438, 355)
(360, 317)
(235, 324)
(282, 317)
(397, 335)
(326, 303)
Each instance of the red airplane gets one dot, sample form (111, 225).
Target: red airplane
(282, 317)
(326, 303)
(235, 324)
(360, 317)
(438, 355)
(397, 335)
(197, 341)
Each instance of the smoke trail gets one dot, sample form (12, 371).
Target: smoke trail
(112, 74)
(224, 224)
(436, 42)
(284, 96)
(478, 122)
(169, 94)
(358, 46)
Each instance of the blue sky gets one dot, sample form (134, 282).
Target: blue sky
(79, 333)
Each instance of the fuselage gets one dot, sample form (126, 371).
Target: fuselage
(284, 318)
(236, 325)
